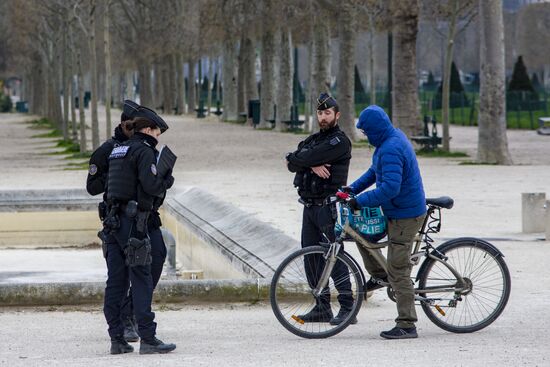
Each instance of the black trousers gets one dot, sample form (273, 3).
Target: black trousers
(158, 255)
(119, 277)
(316, 221)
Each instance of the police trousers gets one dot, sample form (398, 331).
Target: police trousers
(158, 255)
(401, 233)
(316, 221)
(119, 277)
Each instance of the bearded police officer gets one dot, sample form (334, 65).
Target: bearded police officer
(321, 164)
(133, 190)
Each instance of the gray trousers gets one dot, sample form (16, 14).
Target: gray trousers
(401, 233)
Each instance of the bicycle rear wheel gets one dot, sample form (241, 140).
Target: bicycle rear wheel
(291, 293)
(483, 268)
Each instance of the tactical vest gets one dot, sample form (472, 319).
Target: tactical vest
(311, 186)
(123, 184)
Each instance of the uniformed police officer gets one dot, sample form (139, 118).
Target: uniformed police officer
(321, 164)
(96, 183)
(133, 186)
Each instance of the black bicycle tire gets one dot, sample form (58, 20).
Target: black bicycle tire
(467, 242)
(343, 256)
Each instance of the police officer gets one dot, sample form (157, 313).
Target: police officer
(321, 164)
(96, 183)
(133, 185)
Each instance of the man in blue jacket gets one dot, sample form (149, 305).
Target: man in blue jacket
(400, 193)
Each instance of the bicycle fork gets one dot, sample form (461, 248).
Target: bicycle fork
(330, 262)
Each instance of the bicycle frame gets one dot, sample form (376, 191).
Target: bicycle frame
(431, 224)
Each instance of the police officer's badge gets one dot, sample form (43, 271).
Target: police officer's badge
(154, 169)
(93, 169)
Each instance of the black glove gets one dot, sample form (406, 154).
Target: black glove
(353, 205)
(169, 181)
(346, 189)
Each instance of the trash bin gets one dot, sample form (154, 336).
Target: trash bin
(254, 111)
(22, 106)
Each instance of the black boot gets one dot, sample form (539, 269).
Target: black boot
(319, 313)
(375, 283)
(342, 315)
(130, 334)
(120, 346)
(153, 346)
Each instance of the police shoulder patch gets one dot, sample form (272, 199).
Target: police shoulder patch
(154, 169)
(93, 169)
(334, 140)
(119, 152)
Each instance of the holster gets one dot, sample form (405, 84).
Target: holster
(102, 210)
(112, 222)
(138, 252)
(103, 237)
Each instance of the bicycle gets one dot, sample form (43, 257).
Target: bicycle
(462, 285)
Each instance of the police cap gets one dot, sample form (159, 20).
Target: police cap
(151, 115)
(129, 110)
(326, 101)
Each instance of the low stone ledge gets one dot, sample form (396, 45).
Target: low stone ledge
(168, 291)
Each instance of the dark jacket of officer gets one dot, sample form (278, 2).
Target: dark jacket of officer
(99, 163)
(133, 173)
(330, 146)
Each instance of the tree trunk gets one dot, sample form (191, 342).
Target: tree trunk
(230, 112)
(145, 90)
(65, 78)
(74, 129)
(168, 84)
(80, 81)
(191, 92)
(492, 140)
(286, 74)
(93, 66)
(267, 95)
(446, 88)
(322, 57)
(241, 82)
(108, 74)
(371, 61)
(346, 72)
(405, 111)
(210, 85)
(180, 83)
(311, 73)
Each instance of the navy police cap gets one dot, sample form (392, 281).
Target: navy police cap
(325, 101)
(151, 115)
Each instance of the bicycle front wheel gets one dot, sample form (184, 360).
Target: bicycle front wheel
(292, 297)
(484, 296)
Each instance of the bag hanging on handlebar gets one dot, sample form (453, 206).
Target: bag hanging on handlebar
(369, 222)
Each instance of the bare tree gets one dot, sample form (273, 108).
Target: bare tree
(492, 140)
(108, 73)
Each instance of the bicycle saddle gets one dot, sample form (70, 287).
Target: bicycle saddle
(442, 202)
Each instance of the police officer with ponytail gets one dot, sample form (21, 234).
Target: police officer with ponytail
(134, 190)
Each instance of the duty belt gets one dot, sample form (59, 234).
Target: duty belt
(308, 203)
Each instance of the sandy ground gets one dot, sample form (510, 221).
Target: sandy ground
(249, 335)
(245, 167)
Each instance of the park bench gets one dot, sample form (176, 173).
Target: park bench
(544, 126)
(429, 142)
(294, 123)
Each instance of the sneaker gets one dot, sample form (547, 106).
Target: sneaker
(342, 314)
(400, 333)
(120, 346)
(130, 333)
(317, 314)
(154, 346)
(375, 283)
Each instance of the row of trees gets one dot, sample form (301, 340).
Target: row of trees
(57, 44)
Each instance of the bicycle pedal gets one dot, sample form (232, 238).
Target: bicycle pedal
(298, 320)
(440, 310)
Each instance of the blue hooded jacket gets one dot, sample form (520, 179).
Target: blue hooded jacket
(399, 190)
